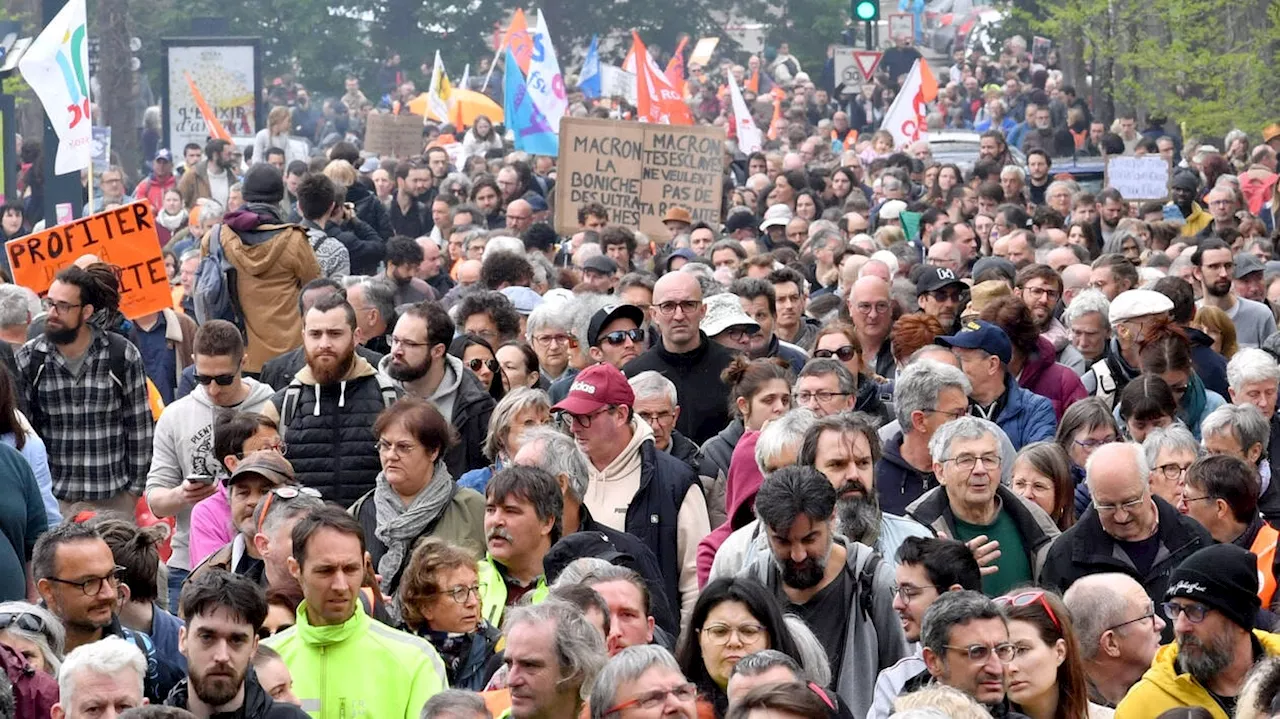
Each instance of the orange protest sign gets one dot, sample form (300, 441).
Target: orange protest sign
(124, 237)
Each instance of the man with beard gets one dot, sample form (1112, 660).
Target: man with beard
(410, 214)
(279, 371)
(86, 394)
(328, 409)
(845, 447)
(1040, 288)
(938, 291)
(1214, 268)
(212, 177)
(76, 575)
(224, 612)
(972, 504)
(419, 365)
(1038, 164)
(840, 588)
(1213, 602)
(404, 259)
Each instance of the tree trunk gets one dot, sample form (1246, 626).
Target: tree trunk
(116, 80)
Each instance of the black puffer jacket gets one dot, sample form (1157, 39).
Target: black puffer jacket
(365, 247)
(329, 430)
(257, 704)
(370, 210)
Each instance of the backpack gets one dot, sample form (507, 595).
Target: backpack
(215, 293)
(117, 365)
(292, 393)
(866, 582)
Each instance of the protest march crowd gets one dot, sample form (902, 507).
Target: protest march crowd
(880, 436)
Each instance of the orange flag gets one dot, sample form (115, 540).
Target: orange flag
(216, 130)
(675, 68)
(517, 37)
(753, 83)
(656, 100)
(776, 120)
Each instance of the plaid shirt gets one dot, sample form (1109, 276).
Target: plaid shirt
(98, 434)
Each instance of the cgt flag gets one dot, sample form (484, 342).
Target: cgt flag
(749, 137)
(905, 119)
(56, 66)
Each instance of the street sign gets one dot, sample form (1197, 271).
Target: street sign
(867, 61)
(902, 24)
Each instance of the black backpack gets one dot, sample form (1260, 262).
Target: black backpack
(117, 364)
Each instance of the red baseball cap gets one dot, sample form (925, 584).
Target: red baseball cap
(597, 386)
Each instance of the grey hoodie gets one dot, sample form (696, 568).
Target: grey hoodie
(184, 446)
(445, 394)
(871, 643)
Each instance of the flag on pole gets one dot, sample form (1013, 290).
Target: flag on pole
(905, 119)
(56, 66)
(517, 36)
(658, 102)
(438, 92)
(589, 78)
(532, 132)
(215, 128)
(545, 83)
(675, 68)
(775, 122)
(465, 82)
(749, 139)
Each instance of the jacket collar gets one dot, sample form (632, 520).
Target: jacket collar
(332, 634)
(690, 358)
(1094, 545)
(934, 505)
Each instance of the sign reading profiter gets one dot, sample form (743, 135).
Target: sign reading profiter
(638, 172)
(124, 237)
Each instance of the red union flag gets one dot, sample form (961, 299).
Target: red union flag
(905, 119)
(657, 101)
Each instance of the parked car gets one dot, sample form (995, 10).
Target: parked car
(1088, 172)
(961, 148)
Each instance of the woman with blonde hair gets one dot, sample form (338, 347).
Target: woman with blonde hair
(275, 134)
(1215, 323)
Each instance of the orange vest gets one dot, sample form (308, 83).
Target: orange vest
(1264, 546)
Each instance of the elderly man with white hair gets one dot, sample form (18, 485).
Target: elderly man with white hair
(1240, 430)
(103, 674)
(1129, 529)
(1118, 629)
(1253, 377)
(657, 404)
(1170, 451)
(636, 676)
(1088, 321)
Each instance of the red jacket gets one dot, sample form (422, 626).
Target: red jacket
(740, 492)
(1042, 374)
(153, 188)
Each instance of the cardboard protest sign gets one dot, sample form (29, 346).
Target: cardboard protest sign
(124, 237)
(394, 135)
(1139, 178)
(638, 171)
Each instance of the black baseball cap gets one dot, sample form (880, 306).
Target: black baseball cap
(609, 313)
(935, 278)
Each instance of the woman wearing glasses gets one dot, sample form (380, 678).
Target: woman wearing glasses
(1046, 675)
(733, 618)
(1085, 427)
(477, 355)
(759, 390)
(518, 411)
(35, 633)
(440, 601)
(839, 341)
(414, 496)
(1042, 476)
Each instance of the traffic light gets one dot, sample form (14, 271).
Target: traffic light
(866, 10)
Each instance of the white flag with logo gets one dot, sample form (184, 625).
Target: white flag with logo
(750, 139)
(56, 66)
(905, 119)
(546, 84)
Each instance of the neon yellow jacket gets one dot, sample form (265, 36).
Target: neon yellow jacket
(493, 591)
(361, 669)
(1163, 687)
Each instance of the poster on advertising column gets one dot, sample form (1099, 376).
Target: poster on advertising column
(639, 172)
(227, 72)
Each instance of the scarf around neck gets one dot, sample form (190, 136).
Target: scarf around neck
(398, 525)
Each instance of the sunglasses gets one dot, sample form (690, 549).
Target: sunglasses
(477, 363)
(264, 633)
(285, 493)
(617, 337)
(844, 353)
(25, 621)
(1027, 599)
(222, 380)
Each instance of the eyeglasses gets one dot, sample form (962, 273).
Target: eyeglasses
(907, 592)
(280, 447)
(954, 414)
(1026, 599)
(968, 462)
(617, 337)
(669, 308)
(407, 344)
(719, 633)
(822, 396)
(285, 493)
(400, 448)
(653, 699)
(548, 340)
(738, 334)
(844, 354)
(222, 380)
(656, 417)
(1044, 292)
(865, 308)
(59, 306)
(1179, 389)
(1195, 611)
(477, 363)
(26, 621)
(93, 585)
(1151, 614)
(945, 295)
(583, 421)
(1188, 500)
(1092, 444)
(979, 653)
(460, 594)
(1128, 507)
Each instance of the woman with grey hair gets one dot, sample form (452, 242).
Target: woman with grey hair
(35, 633)
(522, 409)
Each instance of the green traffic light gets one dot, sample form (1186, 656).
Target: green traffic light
(866, 10)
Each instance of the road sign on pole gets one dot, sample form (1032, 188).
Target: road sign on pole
(867, 61)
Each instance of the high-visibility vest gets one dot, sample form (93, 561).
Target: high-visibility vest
(1264, 546)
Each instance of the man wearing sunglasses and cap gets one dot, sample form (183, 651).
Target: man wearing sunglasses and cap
(1212, 602)
(184, 470)
(939, 292)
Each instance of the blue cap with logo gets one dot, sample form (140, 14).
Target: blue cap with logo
(979, 335)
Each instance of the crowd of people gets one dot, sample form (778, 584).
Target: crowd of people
(434, 458)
